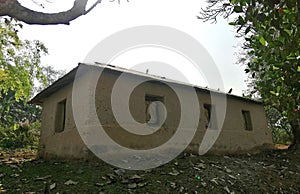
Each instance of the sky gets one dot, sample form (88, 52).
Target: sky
(70, 44)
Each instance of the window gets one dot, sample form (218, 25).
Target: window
(155, 111)
(210, 116)
(60, 118)
(247, 120)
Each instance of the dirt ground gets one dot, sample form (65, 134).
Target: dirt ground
(268, 172)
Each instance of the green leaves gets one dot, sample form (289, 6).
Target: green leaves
(247, 30)
(241, 21)
(289, 32)
(262, 40)
(272, 48)
(261, 17)
(238, 9)
(278, 89)
(234, 1)
(19, 60)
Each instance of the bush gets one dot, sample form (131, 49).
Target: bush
(278, 123)
(23, 135)
(281, 136)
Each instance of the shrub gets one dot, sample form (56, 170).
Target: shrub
(282, 136)
(22, 135)
(278, 123)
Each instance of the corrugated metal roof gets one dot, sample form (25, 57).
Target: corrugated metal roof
(69, 78)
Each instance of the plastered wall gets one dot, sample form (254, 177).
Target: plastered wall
(233, 137)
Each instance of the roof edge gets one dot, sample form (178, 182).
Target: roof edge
(70, 76)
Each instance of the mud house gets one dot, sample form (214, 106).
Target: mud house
(243, 128)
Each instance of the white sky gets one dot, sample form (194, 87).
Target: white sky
(69, 44)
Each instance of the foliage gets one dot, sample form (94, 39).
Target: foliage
(281, 129)
(19, 60)
(20, 135)
(51, 76)
(20, 121)
(279, 124)
(13, 111)
(271, 34)
(21, 75)
(19, 69)
(281, 136)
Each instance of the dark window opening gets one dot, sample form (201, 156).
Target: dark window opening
(155, 111)
(210, 116)
(60, 119)
(247, 120)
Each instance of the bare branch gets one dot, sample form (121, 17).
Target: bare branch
(214, 9)
(93, 6)
(14, 9)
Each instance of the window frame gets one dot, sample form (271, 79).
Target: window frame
(248, 125)
(153, 98)
(212, 117)
(60, 116)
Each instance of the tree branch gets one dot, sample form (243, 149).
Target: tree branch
(14, 9)
(214, 9)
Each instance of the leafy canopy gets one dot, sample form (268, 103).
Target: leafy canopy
(20, 61)
(271, 39)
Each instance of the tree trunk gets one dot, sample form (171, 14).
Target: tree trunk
(296, 132)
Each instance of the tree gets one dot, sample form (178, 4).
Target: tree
(51, 76)
(271, 39)
(277, 122)
(14, 111)
(20, 62)
(20, 70)
(20, 67)
(281, 129)
(14, 9)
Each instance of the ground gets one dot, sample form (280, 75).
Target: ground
(267, 172)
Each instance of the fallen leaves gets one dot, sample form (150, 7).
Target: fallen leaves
(52, 186)
(174, 172)
(132, 186)
(70, 182)
(16, 157)
(269, 173)
(43, 178)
